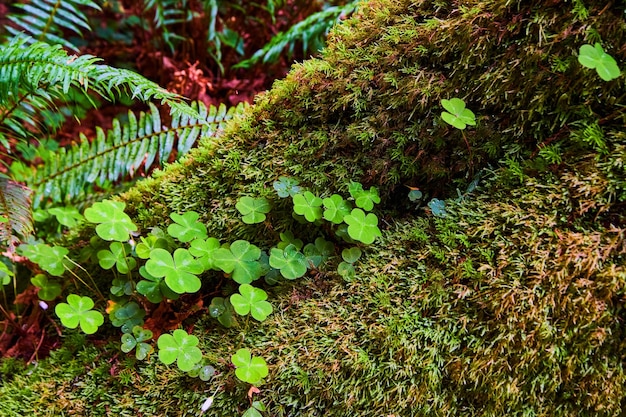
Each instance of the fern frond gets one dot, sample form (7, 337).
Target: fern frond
(123, 150)
(311, 32)
(45, 20)
(15, 200)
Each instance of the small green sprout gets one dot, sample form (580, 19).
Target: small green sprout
(253, 210)
(308, 205)
(249, 369)
(113, 223)
(364, 199)
(186, 227)
(254, 410)
(349, 256)
(180, 271)
(180, 347)
(78, 311)
(126, 315)
(6, 274)
(251, 300)
(221, 309)
(457, 115)
(594, 57)
(361, 227)
(147, 244)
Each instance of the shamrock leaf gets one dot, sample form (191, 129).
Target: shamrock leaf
(180, 347)
(5, 274)
(362, 228)
(67, 216)
(154, 288)
(415, 195)
(251, 300)
(346, 270)
(458, 115)
(78, 310)
(249, 369)
(253, 209)
(286, 187)
(335, 208)
(50, 259)
(145, 246)
(221, 309)
(351, 255)
(118, 256)
(114, 224)
(308, 205)
(204, 372)
(187, 227)
(136, 339)
(125, 315)
(437, 207)
(204, 249)
(48, 290)
(320, 251)
(179, 271)
(254, 410)
(291, 263)
(241, 260)
(287, 238)
(594, 57)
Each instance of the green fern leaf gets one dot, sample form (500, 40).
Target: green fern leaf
(15, 206)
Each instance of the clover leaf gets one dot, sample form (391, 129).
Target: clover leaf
(457, 115)
(361, 227)
(594, 57)
(204, 372)
(204, 249)
(249, 369)
(241, 259)
(254, 410)
(137, 339)
(50, 259)
(187, 227)
(221, 309)
(286, 187)
(251, 300)
(253, 209)
(145, 246)
(351, 255)
(415, 194)
(308, 205)
(154, 288)
(125, 315)
(180, 347)
(113, 223)
(335, 208)
(291, 262)
(346, 270)
(67, 216)
(437, 207)
(117, 256)
(367, 199)
(48, 290)
(5, 274)
(179, 271)
(287, 238)
(318, 252)
(78, 311)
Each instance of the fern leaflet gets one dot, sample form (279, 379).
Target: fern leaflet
(15, 209)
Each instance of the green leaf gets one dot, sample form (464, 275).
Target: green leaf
(119, 256)
(113, 223)
(335, 208)
(50, 259)
(78, 311)
(351, 255)
(346, 270)
(67, 216)
(286, 187)
(136, 339)
(242, 260)
(180, 347)
(126, 315)
(251, 300)
(249, 369)
(221, 309)
(147, 244)
(287, 238)
(154, 288)
(179, 271)
(318, 252)
(6, 274)
(204, 250)
(361, 227)
(438, 207)
(291, 263)
(187, 227)
(457, 115)
(594, 57)
(48, 290)
(308, 205)
(253, 209)
(415, 195)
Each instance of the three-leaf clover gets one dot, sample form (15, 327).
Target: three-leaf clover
(137, 339)
(78, 311)
(457, 115)
(147, 244)
(308, 205)
(253, 209)
(335, 208)
(119, 256)
(179, 271)
(254, 410)
(286, 187)
(221, 309)
(287, 238)
(50, 259)
(361, 227)
(186, 227)
(204, 249)
(154, 288)
(251, 300)
(48, 290)
(114, 224)
(249, 369)
(291, 262)
(180, 347)
(125, 315)
(437, 207)
(594, 57)
(241, 260)
(318, 252)
(67, 216)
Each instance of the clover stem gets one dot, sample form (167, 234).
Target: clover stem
(95, 287)
(469, 148)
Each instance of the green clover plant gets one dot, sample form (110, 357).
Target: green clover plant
(48, 289)
(291, 262)
(253, 209)
(241, 260)
(287, 238)
(286, 187)
(364, 199)
(594, 57)
(50, 259)
(147, 244)
(78, 311)
(186, 227)
(67, 216)
(361, 227)
(335, 208)
(154, 288)
(249, 369)
(118, 256)
(346, 267)
(318, 252)
(221, 309)
(181, 348)
(126, 315)
(204, 250)
(137, 339)
(113, 223)
(254, 410)
(457, 115)
(180, 271)
(308, 205)
(251, 300)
